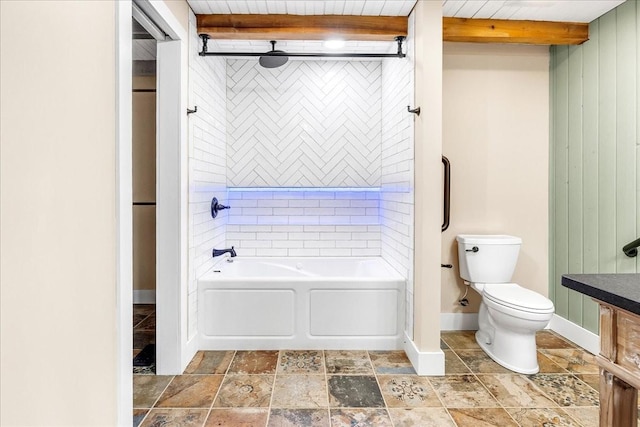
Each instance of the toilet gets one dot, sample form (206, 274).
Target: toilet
(510, 315)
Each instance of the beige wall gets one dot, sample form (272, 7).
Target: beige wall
(180, 9)
(58, 226)
(496, 135)
(428, 148)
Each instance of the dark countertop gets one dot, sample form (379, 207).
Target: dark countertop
(619, 290)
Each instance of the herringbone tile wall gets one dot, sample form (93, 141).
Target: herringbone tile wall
(207, 166)
(306, 124)
(396, 197)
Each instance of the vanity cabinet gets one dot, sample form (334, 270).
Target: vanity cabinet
(619, 298)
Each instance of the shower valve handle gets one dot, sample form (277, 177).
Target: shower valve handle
(216, 206)
(473, 249)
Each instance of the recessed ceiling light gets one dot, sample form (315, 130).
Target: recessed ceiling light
(334, 44)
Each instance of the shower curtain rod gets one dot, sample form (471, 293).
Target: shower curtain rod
(399, 54)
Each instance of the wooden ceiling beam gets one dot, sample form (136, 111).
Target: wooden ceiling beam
(507, 31)
(302, 27)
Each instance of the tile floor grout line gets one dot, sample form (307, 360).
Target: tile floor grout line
(386, 406)
(224, 376)
(326, 383)
(273, 388)
(153, 406)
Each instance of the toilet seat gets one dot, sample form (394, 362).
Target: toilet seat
(516, 297)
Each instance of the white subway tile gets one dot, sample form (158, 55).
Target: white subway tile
(335, 236)
(351, 228)
(241, 219)
(240, 236)
(365, 219)
(351, 195)
(319, 244)
(305, 219)
(256, 195)
(246, 251)
(255, 228)
(365, 236)
(271, 236)
(319, 195)
(258, 211)
(364, 203)
(273, 203)
(242, 203)
(351, 244)
(255, 244)
(304, 203)
(335, 252)
(320, 228)
(274, 219)
(287, 243)
(304, 236)
(272, 252)
(288, 211)
(319, 211)
(304, 252)
(289, 228)
(289, 195)
(334, 220)
(351, 211)
(366, 252)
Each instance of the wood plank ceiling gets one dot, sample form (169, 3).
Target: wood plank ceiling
(537, 10)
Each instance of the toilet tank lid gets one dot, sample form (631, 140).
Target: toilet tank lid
(488, 239)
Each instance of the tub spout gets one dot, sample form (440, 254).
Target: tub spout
(218, 252)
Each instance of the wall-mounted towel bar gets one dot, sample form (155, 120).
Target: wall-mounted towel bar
(631, 249)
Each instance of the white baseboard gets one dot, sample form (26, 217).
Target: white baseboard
(144, 297)
(424, 362)
(458, 321)
(577, 334)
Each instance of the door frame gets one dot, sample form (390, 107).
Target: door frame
(172, 350)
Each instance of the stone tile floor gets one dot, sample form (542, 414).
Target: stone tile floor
(370, 388)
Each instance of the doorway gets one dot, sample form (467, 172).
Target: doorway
(171, 223)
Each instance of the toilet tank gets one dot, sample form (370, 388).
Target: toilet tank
(487, 258)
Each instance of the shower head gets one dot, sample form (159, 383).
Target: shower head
(274, 58)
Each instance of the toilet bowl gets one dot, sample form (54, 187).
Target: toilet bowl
(510, 315)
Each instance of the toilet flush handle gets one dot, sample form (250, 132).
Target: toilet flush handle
(473, 249)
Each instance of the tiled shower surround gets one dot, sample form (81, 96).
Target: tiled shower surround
(207, 145)
(397, 160)
(315, 158)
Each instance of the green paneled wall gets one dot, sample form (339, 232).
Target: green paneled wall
(595, 157)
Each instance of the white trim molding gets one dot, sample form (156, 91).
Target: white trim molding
(429, 363)
(577, 334)
(144, 296)
(458, 321)
(124, 216)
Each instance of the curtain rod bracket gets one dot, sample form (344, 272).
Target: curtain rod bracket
(205, 39)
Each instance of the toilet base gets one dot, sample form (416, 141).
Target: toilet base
(515, 352)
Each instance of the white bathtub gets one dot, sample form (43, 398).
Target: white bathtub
(301, 303)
